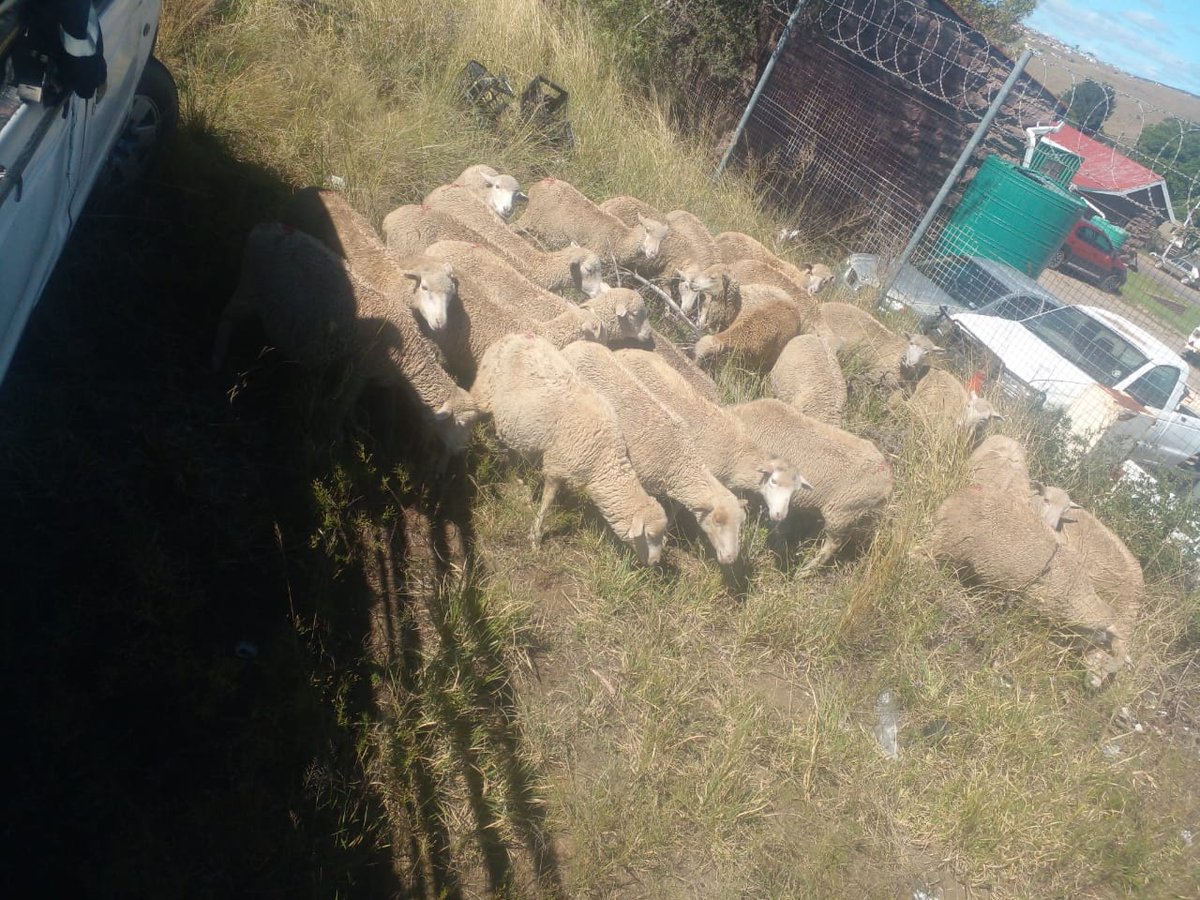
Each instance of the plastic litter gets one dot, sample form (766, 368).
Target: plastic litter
(887, 716)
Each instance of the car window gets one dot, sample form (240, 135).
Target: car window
(1154, 388)
(1092, 346)
(964, 280)
(1017, 307)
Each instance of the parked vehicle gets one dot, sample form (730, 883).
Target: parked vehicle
(55, 146)
(1191, 347)
(1089, 251)
(954, 284)
(1060, 357)
(1184, 268)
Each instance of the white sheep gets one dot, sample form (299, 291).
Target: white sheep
(757, 336)
(462, 217)
(623, 314)
(808, 377)
(894, 359)
(499, 192)
(734, 246)
(425, 286)
(544, 411)
(687, 249)
(1114, 572)
(669, 352)
(851, 480)
(941, 402)
(720, 439)
(661, 449)
(317, 311)
(998, 539)
(731, 286)
(558, 214)
(999, 461)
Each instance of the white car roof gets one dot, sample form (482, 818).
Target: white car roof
(1152, 347)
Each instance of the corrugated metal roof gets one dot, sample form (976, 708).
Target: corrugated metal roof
(1103, 169)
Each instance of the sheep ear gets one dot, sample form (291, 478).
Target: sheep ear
(489, 181)
(641, 219)
(574, 244)
(638, 527)
(443, 412)
(704, 509)
(448, 268)
(743, 503)
(622, 312)
(766, 472)
(1038, 487)
(803, 482)
(997, 416)
(1074, 505)
(415, 276)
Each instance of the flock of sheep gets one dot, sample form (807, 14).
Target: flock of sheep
(469, 316)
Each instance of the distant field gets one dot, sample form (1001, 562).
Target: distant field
(1139, 102)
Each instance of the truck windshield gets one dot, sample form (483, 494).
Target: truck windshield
(963, 279)
(1090, 345)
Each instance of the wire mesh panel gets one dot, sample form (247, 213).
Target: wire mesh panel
(1065, 260)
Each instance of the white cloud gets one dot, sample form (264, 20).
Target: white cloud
(1143, 19)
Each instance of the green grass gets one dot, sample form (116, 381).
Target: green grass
(1147, 294)
(441, 710)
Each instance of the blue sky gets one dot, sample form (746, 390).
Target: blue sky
(1157, 39)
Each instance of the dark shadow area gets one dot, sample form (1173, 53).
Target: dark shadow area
(208, 609)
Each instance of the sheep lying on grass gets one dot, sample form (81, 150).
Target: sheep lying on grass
(499, 192)
(941, 402)
(722, 442)
(808, 377)
(661, 449)
(428, 289)
(1006, 540)
(315, 310)
(410, 229)
(734, 246)
(999, 461)
(544, 411)
(757, 336)
(894, 359)
(559, 214)
(851, 480)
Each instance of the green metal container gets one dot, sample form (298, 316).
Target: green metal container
(1055, 163)
(1115, 233)
(1013, 215)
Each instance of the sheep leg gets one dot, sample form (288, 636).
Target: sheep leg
(828, 550)
(549, 491)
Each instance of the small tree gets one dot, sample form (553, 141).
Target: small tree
(997, 19)
(1089, 104)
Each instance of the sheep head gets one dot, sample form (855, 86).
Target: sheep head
(586, 271)
(721, 521)
(434, 289)
(915, 351)
(455, 419)
(977, 413)
(819, 275)
(651, 237)
(647, 532)
(501, 193)
(1051, 504)
(779, 480)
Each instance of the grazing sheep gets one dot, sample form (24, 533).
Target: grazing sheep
(669, 352)
(729, 298)
(498, 192)
(1115, 573)
(559, 214)
(425, 285)
(757, 336)
(314, 309)
(734, 246)
(895, 359)
(507, 287)
(462, 217)
(622, 313)
(851, 479)
(720, 439)
(941, 402)
(661, 449)
(998, 539)
(730, 286)
(544, 411)
(808, 377)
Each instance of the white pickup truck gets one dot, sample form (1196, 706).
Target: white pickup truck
(1115, 381)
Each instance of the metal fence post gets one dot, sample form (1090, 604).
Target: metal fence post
(758, 89)
(940, 200)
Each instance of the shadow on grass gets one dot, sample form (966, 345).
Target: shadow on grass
(191, 704)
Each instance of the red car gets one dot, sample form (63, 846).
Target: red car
(1088, 250)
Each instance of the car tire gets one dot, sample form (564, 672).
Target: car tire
(153, 114)
(1059, 257)
(1111, 284)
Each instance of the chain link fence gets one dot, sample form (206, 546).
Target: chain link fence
(1063, 262)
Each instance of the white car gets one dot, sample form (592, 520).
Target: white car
(1062, 357)
(55, 147)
